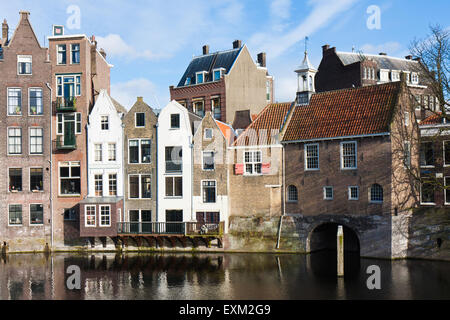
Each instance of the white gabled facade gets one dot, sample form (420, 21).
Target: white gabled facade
(175, 172)
(105, 147)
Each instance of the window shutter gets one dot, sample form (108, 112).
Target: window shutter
(265, 168)
(239, 169)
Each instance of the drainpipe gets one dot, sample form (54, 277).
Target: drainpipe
(156, 172)
(124, 180)
(284, 198)
(51, 167)
(192, 180)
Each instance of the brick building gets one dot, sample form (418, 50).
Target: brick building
(225, 83)
(140, 161)
(339, 70)
(25, 149)
(79, 72)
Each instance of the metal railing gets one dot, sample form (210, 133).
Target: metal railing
(170, 228)
(65, 143)
(66, 104)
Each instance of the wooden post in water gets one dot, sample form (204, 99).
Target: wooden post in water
(340, 252)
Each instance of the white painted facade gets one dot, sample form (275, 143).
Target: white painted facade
(98, 136)
(169, 136)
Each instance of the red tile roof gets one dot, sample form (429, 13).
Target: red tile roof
(433, 119)
(347, 112)
(265, 125)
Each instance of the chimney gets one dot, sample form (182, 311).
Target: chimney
(417, 59)
(325, 48)
(262, 59)
(205, 49)
(237, 44)
(382, 54)
(5, 31)
(103, 53)
(408, 57)
(140, 99)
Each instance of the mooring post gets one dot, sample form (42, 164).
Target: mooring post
(340, 252)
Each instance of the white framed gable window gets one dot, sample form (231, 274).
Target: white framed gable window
(208, 134)
(218, 73)
(200, 77)
(312, 156)
(139, 119)
(348, 155)
(252, 162)
(395, 75)
(414, 78)
(24, 64)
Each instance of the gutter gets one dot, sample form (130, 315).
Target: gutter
(340, 138)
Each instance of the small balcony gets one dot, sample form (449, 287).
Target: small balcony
(173, 166)
(66, 143)
(66, 104)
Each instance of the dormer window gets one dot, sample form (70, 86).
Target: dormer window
(200, 77)
(415, 78)
(218, 73)
(188, 81)
(24, 64)
(395, 75)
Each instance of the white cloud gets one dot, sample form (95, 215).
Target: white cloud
(115, 46)
(286, 88)
(322, 13)
(281, 8)
(391, 48)
(127, 92)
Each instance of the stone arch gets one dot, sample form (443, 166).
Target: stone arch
(322, 236)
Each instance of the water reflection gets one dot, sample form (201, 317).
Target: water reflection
(218, 276)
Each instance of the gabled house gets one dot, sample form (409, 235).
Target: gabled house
(210, 187)
(176, 129)
(225, 83)
(140, 164)
(102, 209)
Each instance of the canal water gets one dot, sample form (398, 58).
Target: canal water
(217, 276)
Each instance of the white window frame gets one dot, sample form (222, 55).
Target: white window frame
(71, 164)
(29, 220)
(350, 193)
(288, 194)
(25, 57)
(109, 183)
(222, 72)
(7, 102)
(29, 178)
(100, 215)
(179, 121)
(194, 108)
(253, 163)
(173, 187)
(443, 155)
(325, 193)
(414, 78)
(102, 122)
(139, 175)
(57, 54)
(86, 216)
(76, 84)
(306, 157)
(426, 203)
(29, 102)
(77, 120)
(139, 150)
(95, 184)
(135, 120)
(29, 141)
(342, 155)
(434, 155)
(215, 190)
(96, 154)
(205, 135)
(21, 141)
(203, 157)
(112, 148)
(9, 178)
(15, 225)
(71, 53)
(204, 77)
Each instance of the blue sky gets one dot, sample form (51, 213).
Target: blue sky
(150, 43)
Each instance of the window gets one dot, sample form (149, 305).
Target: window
(407, 154)
(98, 185)
(292, 194)
(200, 77)
(395, 76)
(70, 214)
(14, 101)
(447, 190)
(427, 193)
(140, 119)
(36, 140)
(35, 102)
(140, 186)
(15, 214)
(208, 160)
(217, 74)
(312, 157)
(68, 86)
(104, 122)
(105, 216)
(328, 193)
(208, 135)
(376, 193)
(209, 191)
(15, 179)
(24, 64)
(111, 152)
(426, 154)
(415, 78)
(75, 49)
(216, 109)
(348, 155)
(70, 178)
(68, 121)
(199, 108)
(268, 88)
(175, 121)
(112, 184)
(252, 162)
(174, 159)
(90, 216)
(98, 152)
(406, 119)
(36, 214)
(36, 179)
(447, 153)
(174, 186)
(140, 154)
(62, 57)
(188, 81)
(353, 193)
(14, 140)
